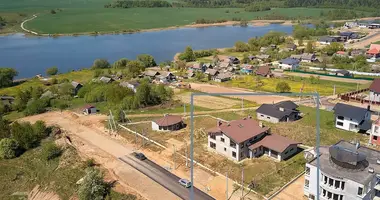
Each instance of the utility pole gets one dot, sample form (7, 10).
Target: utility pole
(242, 183)
(184, 109)
(186, 155)
(174, 157)
(226, 185)
(334, 90)
(242, 103)
(143, 138)
(135, 139)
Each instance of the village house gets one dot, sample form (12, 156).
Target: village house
(326, 40)
(246, 69)
(373, 26)
(209, 65)
(374, 51)
(198, 67)
(248, 138)
(374, 91)
(7, 100)
(341, 53)
(222, 77)
(352, 118)
(133, 85)
(233, 60)
(357, 52)
(263, 49)
(374, 137)
(118, 75)
(165, 77)
(151, 74)
(349, 35)
(344, 171)
(263, 57)
(77, 86)
(289, 64)
(168, 123)
(350, 25)
(291, 47)
(89, 109)
(251, 57)
(190, 74)
(264, 71)
(342, 72)
(305, 57)
(105, 79)
(284, 111)
(212, 72)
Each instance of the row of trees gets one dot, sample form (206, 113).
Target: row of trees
(303, 32)
(6, 77)
(254, 44)
(256, 8)
(137, 4)
(209, 21)
(2, 22)
(333, 3)
(189, 55)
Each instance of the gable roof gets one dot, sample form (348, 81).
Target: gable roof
(151, 73)
(307, 56)
(375, 86)
(224, 64)
(375, 46)
(287, 104)
(223, 76)
(349, 111)
(75, 84)
(291, 46)
(289, 61)
(240, 130)
(168, 120)
(341, 52)
(274, 142)
(327, 39)
(263, 56)
(344, 72)
(212, 72)
(105, 79)
(263, 70)
(275, 111)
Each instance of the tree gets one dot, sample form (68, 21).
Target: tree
(147, 59)
(53, 12)
(52, 71)
(9, 148)
(4, 128)
(121, 63)
(100, 64)
(245, 58)
(180, 65)
(188, 55)
(333, 48)
(143, 94)
(36, 92)
(24, 134)
(40, 129)
(215, 59)
(309, 47)
(241, 46)
(300, 42)
(134, 68)
(36, 106)
(93, 187)
(51, 151)
(283, 87)
(6, 76)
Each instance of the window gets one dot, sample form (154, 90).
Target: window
(312, 197)
(262, 115)
(331, 182)
(339, 123)
(225, 149)
(337, 184)
(241, 154)
(268, 117)
(374, 137)
(232, 144)
(341, 197)
(222, 139)
(324, 192)
(325, 181)
(307, 170)
(306, 183)
(336, 197)
(212, 145)
(341, 117)
(329, 195)
(212, 137)
(342, 186)
(360, 191)
(234, 154)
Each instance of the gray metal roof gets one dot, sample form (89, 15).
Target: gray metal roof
(287, 104)
(274, 111)
(349, 111)
(341, 165)
(290, 61)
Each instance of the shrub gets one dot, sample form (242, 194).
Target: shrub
(51, 151)
(89, 163)
(52, 71)
(282, 87)
(8, 148)
(93, 187)
(36, 106)
(101, 64)
(40, 129)
(24, 134)
(53, 12)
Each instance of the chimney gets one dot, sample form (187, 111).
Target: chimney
(261, 124)
(281, 109)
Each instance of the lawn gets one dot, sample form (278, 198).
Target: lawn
(324, 87)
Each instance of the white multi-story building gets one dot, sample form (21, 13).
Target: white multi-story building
(352, 118)
(347, 172)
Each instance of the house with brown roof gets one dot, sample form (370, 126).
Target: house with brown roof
(212, 72)
(248, 138)
(374, 51)
(168, 123)
(374, 91)
(222, 77)
(264, 71)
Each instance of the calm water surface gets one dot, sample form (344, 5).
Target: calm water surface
(32, 55)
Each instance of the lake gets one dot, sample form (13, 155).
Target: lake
(33, 55)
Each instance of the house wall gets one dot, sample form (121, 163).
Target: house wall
(348, 124)
(373, 96)
(291, 150)
(375, 135)
(261, 116)
(224, 148)
(155, 126)
(350, 191)
(286, 66)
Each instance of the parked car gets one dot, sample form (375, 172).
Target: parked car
(140, 156)
(184, 182)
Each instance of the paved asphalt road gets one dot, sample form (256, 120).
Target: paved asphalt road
(164, 178)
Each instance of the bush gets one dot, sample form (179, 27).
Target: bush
(52, 71)
(53, 12)
(40, 129)
(93, 187)
(51, 151)
(36, 106)
(8, 148)
(89, 163)
(101, 64)
(24, 134)
(283, 87)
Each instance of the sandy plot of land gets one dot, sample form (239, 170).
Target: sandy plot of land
(220, 89)
(330, 78)
(211, 102)
(370, 38)
(293, 192)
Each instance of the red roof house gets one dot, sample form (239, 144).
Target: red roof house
(374, 50)
(168, 123)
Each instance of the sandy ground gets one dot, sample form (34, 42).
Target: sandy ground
(330, 78)
(293, 192)
(39, 194)
(88, 135)
(209, 101)
(220, 89)
(370, 38)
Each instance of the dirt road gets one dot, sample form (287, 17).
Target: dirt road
(294, 191)
(372, 37)
(220, 89)
(89, 139)
(330, 78)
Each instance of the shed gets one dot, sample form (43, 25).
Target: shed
(264, 71)
(89, 109)
(106, 79)
(77, 86)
